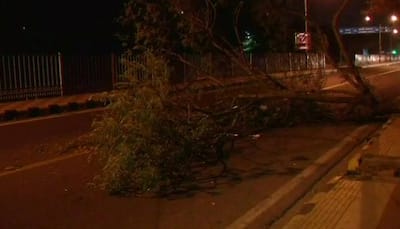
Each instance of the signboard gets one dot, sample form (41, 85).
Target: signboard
(302, 41)
(365, 30)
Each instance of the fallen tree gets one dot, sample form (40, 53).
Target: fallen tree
(157, 137)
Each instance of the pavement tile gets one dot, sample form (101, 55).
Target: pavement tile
(329, 207)
(355, 204)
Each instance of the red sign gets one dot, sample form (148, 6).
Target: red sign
(302, 41)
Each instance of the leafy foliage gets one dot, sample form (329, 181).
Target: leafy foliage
(154, 135)
(147, 142)
(155, 24)
(174, 26)
(154, 138)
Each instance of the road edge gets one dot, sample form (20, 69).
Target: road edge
(274, 206)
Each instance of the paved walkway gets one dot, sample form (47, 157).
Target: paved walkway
(367, 200)
(13, 110)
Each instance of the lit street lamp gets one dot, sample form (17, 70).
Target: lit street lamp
(368, 19)
(393, 19)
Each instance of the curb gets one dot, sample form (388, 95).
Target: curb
(274, 206)
(51, 109)
(380, 64)
(354, 163)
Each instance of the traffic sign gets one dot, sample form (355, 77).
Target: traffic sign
(302, 41)
(365, 30)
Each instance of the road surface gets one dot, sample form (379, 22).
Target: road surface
(27, 141)
(69, 202)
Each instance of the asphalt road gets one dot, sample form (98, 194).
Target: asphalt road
(56, 195)
(28, 141)
(21, 142)
(28, 134)
(385, 80)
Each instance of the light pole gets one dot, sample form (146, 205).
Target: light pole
(368, 19)
(307, 35)
(380, 39)
(306, 16)
(393, 20)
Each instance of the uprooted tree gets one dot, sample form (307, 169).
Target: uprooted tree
(158, 136)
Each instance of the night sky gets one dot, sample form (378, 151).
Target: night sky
(89, 26)
(65, 26)
(323, 10)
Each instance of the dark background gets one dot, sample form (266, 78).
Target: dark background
(64, 26)
(87, 26)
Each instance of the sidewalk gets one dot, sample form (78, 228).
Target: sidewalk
(45, 106)
(370, 199)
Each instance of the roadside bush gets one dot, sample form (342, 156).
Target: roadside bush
(10, 115)
(35, 112)
(55, 109)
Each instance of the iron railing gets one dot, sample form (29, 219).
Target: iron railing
(33, 76)
(30, 76)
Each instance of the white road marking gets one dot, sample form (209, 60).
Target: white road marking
(42, 163)
(335, 86)
(345, 83)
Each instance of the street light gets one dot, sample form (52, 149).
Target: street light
(393, 19)
(368, 19)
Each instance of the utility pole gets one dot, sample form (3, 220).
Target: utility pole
(308, 37)
(380, 39)
(306, 16)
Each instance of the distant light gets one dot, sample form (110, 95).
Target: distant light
(367, 18)
(23, 27)
(248, 36)
(395, 31)
(393, 18)
(182, 12)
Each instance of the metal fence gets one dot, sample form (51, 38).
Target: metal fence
(362, 60)
(33, 76)
(25, 77)
(86, 74)
(222, 67)
(30, 76)
(128, 65)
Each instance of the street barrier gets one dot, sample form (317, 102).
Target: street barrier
(363, 60)
(24, 77)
